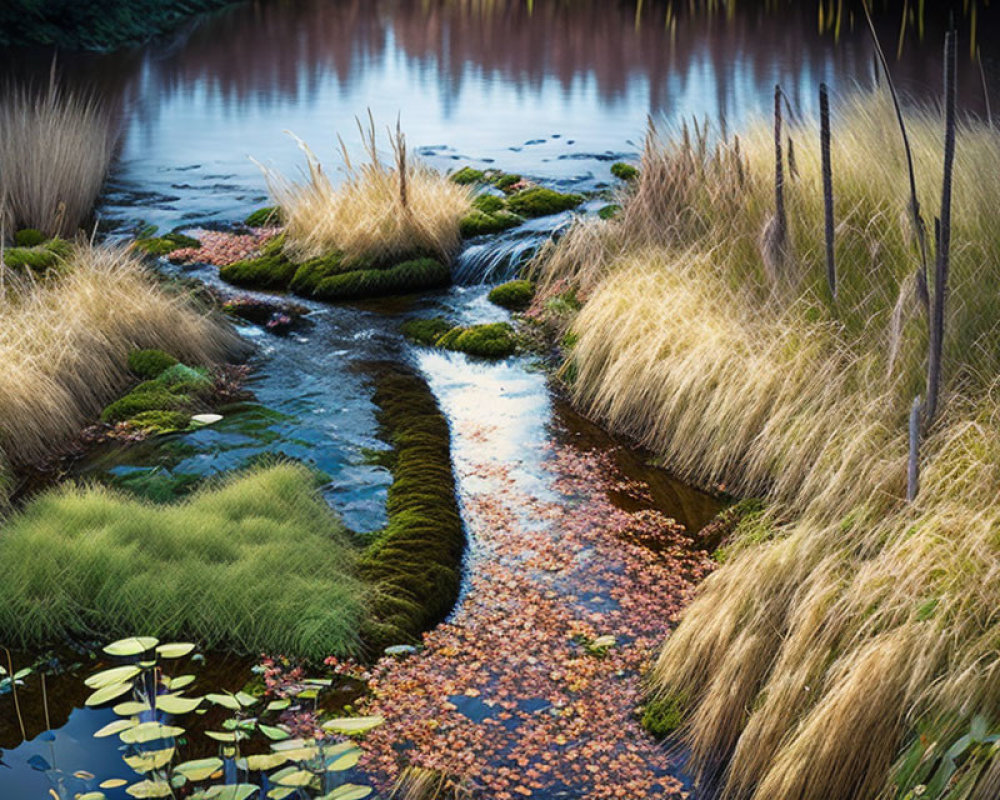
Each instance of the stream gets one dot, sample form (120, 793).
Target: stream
(569, 529)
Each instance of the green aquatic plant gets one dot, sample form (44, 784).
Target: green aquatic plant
(414, 564)
(261, 734)
(513, 295)
(255, 562)
(426, 331)
(609, 211)
(175, 387)
(491, 340)
(538, 201)
(151, 363)
(159, 421)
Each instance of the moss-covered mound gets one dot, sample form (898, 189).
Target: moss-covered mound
(415, 563)
(505, 182)
(426, 331)
(175, 389)
(541, 202)
(623, 171)
(164, 245)
(332, 278)
(258, 563)
(39, 257)
(264, 217)
(466, 176)
(149, 364)
(609, 211)
(492, 340)
(29, 237)
(513, 295)
(478, 223)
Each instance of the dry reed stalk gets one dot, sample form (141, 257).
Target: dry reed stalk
(825, 136)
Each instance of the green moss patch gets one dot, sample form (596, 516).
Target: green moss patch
(479, 223)
(539, 201)
(174, 389)
(257, 563)
(411, 276)
(623, 171)
(29, 237)
(467, 176)
(264, 217)
(489, 203)
(513, 295)
(609, 211)
(164, 245)
(662, 716)
(504, 181)
(492, 340)
(426, 331)
(161, 422)
(39, 258)
(414, 564)
(149, 364)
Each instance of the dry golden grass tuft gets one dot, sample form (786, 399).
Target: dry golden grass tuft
(55, 151)
(382, 213)
(818, 652)
(64, 344)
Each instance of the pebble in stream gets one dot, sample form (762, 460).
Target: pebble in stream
(506, 696)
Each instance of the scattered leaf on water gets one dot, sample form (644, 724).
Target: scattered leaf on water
(199, 770)
(108, 693)
(174, 649)
(112, 676)
(133, 646)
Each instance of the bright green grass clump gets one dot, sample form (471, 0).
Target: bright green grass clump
(415, 562)
(161, 422)
(149, 364)
(662, 716)
(541, 202)
(492, 340)
(258, 563)
(513, 295)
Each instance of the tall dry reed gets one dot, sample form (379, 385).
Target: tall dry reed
(811, 659)
(56, 147)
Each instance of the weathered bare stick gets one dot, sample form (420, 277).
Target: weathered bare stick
(918, 220)
(781, 219)
(986, 89)
(941, 265)
(913, 468)
(824, 116)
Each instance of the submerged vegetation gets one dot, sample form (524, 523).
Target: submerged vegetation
(80, 561)
(850, 624)
(487, 340)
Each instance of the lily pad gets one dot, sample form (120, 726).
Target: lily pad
(174, 649)
(147, 789)
(199, 770)
(224, 700)
(134, 646)
(238, 791)
(108, 677)
(353, 725)
(150, 732)
(349, 791)
(108, 693)
(117, 726)
(176, 704)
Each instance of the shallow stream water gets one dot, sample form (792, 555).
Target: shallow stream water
(552, 90)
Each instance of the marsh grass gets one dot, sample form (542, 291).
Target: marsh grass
(382, 213)
(56, 147)
(65, 344)
(256, 563)
(810, 660)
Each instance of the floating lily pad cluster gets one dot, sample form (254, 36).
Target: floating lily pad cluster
(149, 703)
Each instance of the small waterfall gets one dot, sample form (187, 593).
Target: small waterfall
(496, 259)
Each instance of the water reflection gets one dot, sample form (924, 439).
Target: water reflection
(548, 88)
